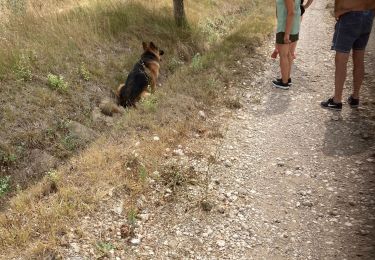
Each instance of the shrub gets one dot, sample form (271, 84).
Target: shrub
(23, 68)
(57, 82)
(84, 72)
(4, 185)
(196, 62)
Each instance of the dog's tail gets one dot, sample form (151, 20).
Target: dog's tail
(111, 106)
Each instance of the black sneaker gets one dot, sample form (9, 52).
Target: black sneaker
(289, 81)
(330, 104)
(280, 84)
(353, 103)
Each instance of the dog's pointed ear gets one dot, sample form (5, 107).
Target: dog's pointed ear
(161, 52)
(144, 46)
(152, 46)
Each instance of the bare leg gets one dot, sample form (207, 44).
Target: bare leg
(292, 49)
(341, 61)
(358, 71)
(284, 52)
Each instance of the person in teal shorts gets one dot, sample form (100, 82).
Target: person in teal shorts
(304, 6)
(287, 34)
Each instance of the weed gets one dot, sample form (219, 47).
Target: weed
(4, 185)
(132, 216)
(57, 82)
(105, 247)
(150, 103)
(70, 142)
(52, 176)
(84, 72)
(7, 158)
(143, 174)
(174, 64)
(23, 68)
(233, 103)
(196, 62)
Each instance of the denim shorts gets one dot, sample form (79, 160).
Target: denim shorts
(352, 31)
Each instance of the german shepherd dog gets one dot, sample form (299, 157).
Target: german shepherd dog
(145, 73)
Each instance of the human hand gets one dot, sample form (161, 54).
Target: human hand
(287, 39)
(274, 53)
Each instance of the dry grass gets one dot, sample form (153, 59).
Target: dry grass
(105, 37)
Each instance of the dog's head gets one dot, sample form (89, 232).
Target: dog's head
(153, 49)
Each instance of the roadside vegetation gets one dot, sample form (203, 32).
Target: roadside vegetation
(59, 59)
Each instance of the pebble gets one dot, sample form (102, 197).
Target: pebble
(75, 247)
(202, 114)
(307, 203)
(227, 163)
(221, 210)
(135, 241)
(220, 243)
(178, 152)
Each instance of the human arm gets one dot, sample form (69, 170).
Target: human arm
(289, 4)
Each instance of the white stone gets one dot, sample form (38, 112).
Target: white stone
(220, 243)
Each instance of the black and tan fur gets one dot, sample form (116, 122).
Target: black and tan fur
(144, 73)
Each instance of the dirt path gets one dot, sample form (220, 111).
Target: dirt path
(291, 181)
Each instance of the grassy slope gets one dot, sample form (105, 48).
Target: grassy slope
(105, 37)
(101, 41)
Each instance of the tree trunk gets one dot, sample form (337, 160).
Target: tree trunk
(179, 12)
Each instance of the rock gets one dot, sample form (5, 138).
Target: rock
(364, 232)
(281, 164)
(41, 161)
(227, 163)
(288, 173)
(126, 231)
(220, 243)
(178, 152)
(202, 115)
(221, 210)
(118, 209)
(144, 217)
(206, 205)
(365, 136)
(156, 138)
(333, 212)
(307, 203)
(75, 247)
(81, 132)
(135, 241)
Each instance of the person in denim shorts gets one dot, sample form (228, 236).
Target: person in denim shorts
(352, 33)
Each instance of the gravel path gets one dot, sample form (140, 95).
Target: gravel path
(290, 181)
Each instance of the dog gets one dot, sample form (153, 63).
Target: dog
(143, 75)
